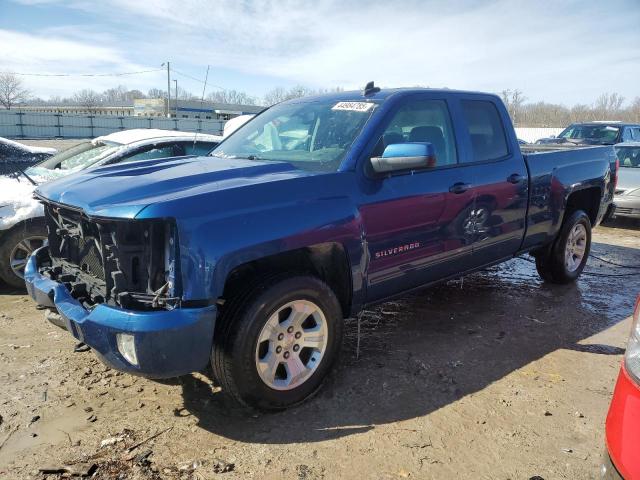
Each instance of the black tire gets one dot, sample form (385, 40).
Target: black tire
(544, 270)
(551, 265)
(235, 341)
(29, 229)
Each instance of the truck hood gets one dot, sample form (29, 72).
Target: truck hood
(124, 190)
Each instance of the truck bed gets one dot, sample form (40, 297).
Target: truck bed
(554, 170)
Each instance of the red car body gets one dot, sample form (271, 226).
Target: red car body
(623, 425)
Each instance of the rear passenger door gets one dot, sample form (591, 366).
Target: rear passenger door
(496, 225)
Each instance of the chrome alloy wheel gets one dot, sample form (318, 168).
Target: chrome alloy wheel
(20, 253)
(576, 247)
(291, 345)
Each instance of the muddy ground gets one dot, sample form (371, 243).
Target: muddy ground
(497, 376)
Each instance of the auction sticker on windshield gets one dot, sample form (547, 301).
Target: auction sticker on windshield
(353, 106)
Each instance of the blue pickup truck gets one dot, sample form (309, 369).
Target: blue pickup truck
(251, 257)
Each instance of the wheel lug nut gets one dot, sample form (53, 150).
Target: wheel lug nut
(290, 329)
(298, 334)
(281, 336)
(296, 347)
(286, 354)
(278, 349)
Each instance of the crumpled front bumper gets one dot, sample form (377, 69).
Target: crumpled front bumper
(168, 343)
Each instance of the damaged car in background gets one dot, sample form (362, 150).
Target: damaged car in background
(22, 225)
(250, 258)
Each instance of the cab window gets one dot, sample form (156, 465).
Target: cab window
(486, 131)
(422, 121)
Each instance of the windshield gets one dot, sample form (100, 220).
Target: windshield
(594, 133)
(312, 136)
(629, 156)
(73, 159)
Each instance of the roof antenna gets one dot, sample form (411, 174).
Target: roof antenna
(370, 89)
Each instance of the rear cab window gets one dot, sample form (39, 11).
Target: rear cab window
(486, 130)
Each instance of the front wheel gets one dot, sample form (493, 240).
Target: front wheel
(275, 344)
(566, 259)
(15, 248)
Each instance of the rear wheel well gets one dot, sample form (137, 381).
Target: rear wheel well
(587, 199)
(326, 261)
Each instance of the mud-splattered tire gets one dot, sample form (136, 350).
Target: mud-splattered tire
(15, 247)
(275, 343)
(566, 259)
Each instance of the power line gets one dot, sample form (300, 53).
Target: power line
(196, 79)
(120, 74)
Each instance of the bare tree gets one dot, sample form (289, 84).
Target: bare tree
(279, 94)
(87, 98)
(275, 95)
(634, 110)
(12, 90)
(156, 93)
(231, 96)
(183, 94)
(513, 100)
(117, 94)
(608, 104)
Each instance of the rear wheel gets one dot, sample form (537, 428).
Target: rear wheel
(275, 344)
(566, 259)
(16, 247)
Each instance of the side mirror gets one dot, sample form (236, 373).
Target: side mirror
(552, 136)
(405, 156)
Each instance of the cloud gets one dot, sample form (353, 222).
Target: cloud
(46, 53)
(569, 52)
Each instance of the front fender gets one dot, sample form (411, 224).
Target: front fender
(211, 248)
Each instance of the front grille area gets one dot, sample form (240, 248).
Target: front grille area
(117, 262)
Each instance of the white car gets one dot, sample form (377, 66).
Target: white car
(22, 227)
(235, 123)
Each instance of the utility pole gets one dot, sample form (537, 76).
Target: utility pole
(176, 82)
(169, 90)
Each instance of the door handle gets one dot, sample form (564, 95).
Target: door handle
(459, 187)
(514, 178)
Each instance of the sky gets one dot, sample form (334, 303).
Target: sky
(563, 52)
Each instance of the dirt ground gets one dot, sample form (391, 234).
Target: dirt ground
(498, 376)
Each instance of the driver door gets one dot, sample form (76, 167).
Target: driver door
(414, 221)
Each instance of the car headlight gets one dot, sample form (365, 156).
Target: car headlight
(632, 355)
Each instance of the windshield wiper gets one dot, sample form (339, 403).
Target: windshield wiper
(33, 182)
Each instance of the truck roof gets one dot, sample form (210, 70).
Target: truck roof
(383, 94)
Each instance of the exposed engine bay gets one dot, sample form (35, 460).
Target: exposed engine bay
(127, 263)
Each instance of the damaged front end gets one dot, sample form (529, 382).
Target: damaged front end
(119, 262)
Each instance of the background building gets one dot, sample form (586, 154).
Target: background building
(150, 107)
(156, 107)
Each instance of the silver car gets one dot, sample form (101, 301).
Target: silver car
(627, 196)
